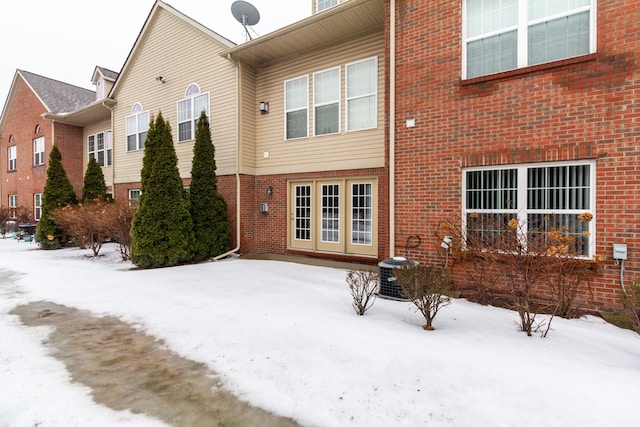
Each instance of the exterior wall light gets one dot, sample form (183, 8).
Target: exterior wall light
(264, 107)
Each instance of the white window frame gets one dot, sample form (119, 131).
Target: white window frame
(100, 89)
(522, 34)
(134, 196)
(38, 151)
(108, 150)
(134, 126)
(325, 4)
(519, 206)
(37, 206)
(12, 155)
(102, 155)
(290, 109)
(351, 97)
(13, 205)
(325, 100)
(191, 99)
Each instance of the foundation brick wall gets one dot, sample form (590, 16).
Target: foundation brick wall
(582, 108)
(268, 232)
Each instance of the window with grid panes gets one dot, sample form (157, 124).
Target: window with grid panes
(540, 197)
(502, 35)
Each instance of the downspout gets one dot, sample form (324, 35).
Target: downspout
(392, 126)
(238, 151)
(113, 152)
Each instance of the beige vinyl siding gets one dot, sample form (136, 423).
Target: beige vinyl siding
(93, 129)
(182, 55)
(346, 150)
(249, 115)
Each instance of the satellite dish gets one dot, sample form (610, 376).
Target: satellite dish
(246, 14)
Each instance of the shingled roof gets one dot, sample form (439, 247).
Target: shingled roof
(58, 97)
(108, 73)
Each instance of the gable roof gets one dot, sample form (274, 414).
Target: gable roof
(57, 96)
(105, 72)
(217, 38)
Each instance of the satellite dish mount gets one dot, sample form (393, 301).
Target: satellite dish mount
(246, 14)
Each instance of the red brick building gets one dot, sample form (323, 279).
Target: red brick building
(26, 139)
(503, 109)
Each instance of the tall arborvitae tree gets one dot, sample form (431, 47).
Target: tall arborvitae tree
(58, 192)
(150, 150)
(208, 208)
(94, 188)
(162, 231)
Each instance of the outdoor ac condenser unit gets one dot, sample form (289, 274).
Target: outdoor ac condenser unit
(388, 287)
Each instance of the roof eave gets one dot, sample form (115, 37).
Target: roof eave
(249, 52)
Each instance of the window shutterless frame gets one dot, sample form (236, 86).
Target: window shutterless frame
(137, 125)
(503, 35)
(361, 93)
(540, 196)
(326, 101)
(296, 106)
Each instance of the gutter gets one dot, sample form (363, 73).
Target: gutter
(392, 126)
(238, 151)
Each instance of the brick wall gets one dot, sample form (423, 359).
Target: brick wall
(268, 232)
(70, 142)
(23, 115)
(584, 108)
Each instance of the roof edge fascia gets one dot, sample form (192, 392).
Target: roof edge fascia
(313, 19)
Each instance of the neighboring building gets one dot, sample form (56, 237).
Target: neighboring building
(520, 108)
(95, 121)
(26, 138)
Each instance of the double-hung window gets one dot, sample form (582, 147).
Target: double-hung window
(13, 205)
(38, 151)
(12, 156)
(362, 94)
(325, 4)
(533, 200)
(137, 127)
(37, 206)
(100, 147)
(189, 110)
(326, 101)
(502, 35)
(296, 105)
(134, 197)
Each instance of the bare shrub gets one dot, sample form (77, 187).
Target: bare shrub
(631, 299)
(427, 287)
(363, 286)
(5, 220)
(535, 267)
(92, 224)
(122, 229)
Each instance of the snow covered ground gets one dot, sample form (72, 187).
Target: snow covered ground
(284, 337)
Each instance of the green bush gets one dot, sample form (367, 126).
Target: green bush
(208, 208)
(162, 230)
(58, 192)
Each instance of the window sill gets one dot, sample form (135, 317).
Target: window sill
(529, 70)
